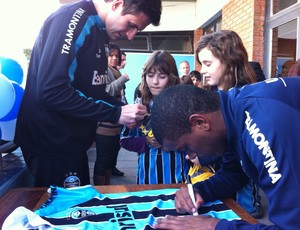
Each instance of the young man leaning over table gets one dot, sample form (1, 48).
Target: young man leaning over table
(258, 123)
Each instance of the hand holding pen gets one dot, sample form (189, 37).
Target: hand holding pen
(138, 100)
(184, 203)
(191, 193)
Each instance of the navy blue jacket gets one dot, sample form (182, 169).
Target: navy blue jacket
(65, 91)
(263, 130)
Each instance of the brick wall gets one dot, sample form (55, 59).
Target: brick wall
(197, 35)
(247, 19)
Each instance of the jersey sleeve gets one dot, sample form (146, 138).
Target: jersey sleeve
(131, 140)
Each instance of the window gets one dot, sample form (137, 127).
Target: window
(215, 27)
(139, 43)
(173, 42)
(279, 5)
(214, 24)
(282, 46)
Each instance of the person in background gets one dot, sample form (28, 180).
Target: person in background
(184, 68)
(123, 60)
(196, 78)
(222, 70)
(186, 79)
(244, 121)
(284, 71)
(65, 93)
(108, 134)
(156, 165)
(260, 76)
(295, 69)
(122, 66)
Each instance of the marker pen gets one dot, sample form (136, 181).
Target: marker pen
(191, 192)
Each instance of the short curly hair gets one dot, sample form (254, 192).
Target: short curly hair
(173, 107)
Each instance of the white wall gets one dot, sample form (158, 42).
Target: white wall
(205, 9)
(176, 16)
(181, 16)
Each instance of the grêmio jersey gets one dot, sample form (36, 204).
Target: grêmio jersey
(86, 208)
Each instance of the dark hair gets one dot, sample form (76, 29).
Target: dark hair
(186, 79)
(113, 46)
(123, 53)
(196, 74)
(173, 107)
(151, 8)
(165, 63)
(260, 76)
(228, 47)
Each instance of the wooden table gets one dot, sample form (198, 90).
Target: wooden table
(32, 198)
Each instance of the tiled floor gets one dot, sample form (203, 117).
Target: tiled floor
(126, 163)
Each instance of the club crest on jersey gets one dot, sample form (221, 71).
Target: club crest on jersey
(81, 213)
(71, 181)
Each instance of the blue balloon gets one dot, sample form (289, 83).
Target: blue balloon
(7, 95)
(11, 69)
(19, 91)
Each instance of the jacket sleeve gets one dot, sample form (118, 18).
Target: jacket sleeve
(242, 225)
(226, 181)
(69, 90)
(115, 86)
(132, 141)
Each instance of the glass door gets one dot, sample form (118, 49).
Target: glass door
(282, 36)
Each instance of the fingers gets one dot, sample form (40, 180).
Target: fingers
(184, 203)
(186, 222)
(139, 109)
(132, 113)
(181, 201)
(168, 222)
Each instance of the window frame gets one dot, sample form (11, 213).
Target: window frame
(152, 35)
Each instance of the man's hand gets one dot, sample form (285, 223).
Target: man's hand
(131, 114)
(186, 222)
(184, 203)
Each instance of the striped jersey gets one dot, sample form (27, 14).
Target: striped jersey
(155, 165)
(85, 208)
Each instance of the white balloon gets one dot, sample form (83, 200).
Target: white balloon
(8, 129)
(7, 95)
